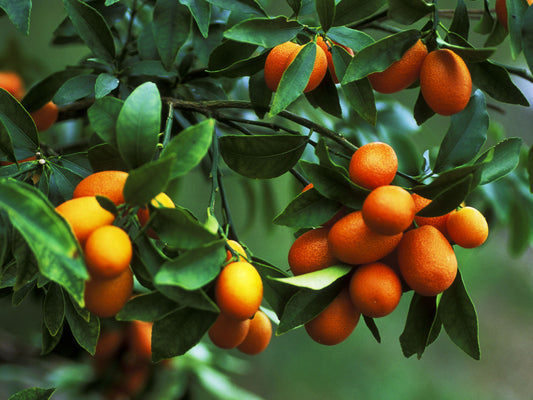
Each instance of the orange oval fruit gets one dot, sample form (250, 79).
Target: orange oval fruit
(311, 252)
(84, 215)
(336, 322)
(258, 336)
(46, 116)
(402, 73)
(388, 210)
(276, 63)
(140, 337)
(373, 164)
(467, 227)
(13, 83)
(104, 183)
(239, 290)
(235, 246)
(438, 222)
(327, 51)
(227, 332)
(107, 252)
(427, 260)
(375, 289)
(445, 82)
(353, 242)
(106, 297)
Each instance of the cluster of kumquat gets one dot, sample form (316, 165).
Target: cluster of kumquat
(391, 248)
(238, 294)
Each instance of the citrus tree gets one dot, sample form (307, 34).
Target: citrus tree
(237, 87)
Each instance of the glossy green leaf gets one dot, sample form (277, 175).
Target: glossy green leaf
(409, 11)
(296, 6)
(422, 112)
(418, 325)
(449, 199)
(516, 10)
(85, 332)
(228, 53)
(147, 181)
(171, 26)
(460, 22)
(262, 156)
(244, 6)
(465, 136)
(6, 144)
(75, 88)
(179, 331)
(65, 180)
(264, 32)
(326, 97)
(325, 10)
(500, 160)
(380, 55)
(138, 125)
(19, 12)
(54, 309)
(465, 50)
(349, 11)
(106, 157)
(146, 307)
(18, 122)
(245, 67)
(48, 235)
(34, 393)
(92, 28)
(105, 84)
(201, 12)
(527, 37)
(275, 293)
(178, 228)
(189, 147)
(352, 38)
(103, 116)
(318, 280)
(444, 180)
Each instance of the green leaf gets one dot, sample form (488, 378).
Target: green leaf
(138, 125)
(445, 179)
(409, 11)
(92, 28)
(147, 181)
(309, 209)
(193, 268)
(228, 53)
(317, 280)
(500, 160)
(325, 10)
(371, 325)
(380, 55)
(103, 116)
(49, 342)
(527, 37)
(486, 22)
(48, 235)
(465, 50)
(189, 147)
(18, 123)
(422, 112)
(262, 156)
(275, 293)
(349, 11)
(54, 309)
(354, 39)
(171, 26)
(6, 144)
(264, 32)
(105, 84)
(146, 307)
(295, 78)
(326, 97)
(465, 136)
(33, 394)
(178, 228)
(243, 6)
(459, 318)
(179, 331)
(105, 157)
(201, 12)
(85, 332)
(418, 325)
(75, 88)
(260, 94)
(19, 13)
(245, 67)
(460, 22)
(449, 199)
(334, 185)
(519, 226)
(516, 10)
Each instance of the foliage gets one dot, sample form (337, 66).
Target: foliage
(170, 86)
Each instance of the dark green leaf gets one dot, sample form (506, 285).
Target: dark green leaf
(138, 125)
(228, 53)
(171, 26)
(193, 268)
(516, 10)
(33, 394)
(409, 11)
(49, 342)
(197, 299)
(147, 181)
(520, 231)
(325, 10)
(65, 180)
(105, 157)
(449, 199)
(54, 309)
(103, 115)
(500, 160)
(178, 332)
(445, 180)
(262, 156)
(151, 68)
(486, 22)
(19, 13)
(85, 332)
(245, 67)
(422, 112)
(275, 293)
(309, 209)
(465, 136)
(527, 37)
(264, 32)
(6, 144)
(371, 325)
(349, 11)
(146, 307)
(380, 55)
(75, 88)
(460, 22)
(260, 94)
(18, 123)
(105, 84)
(418, 325)
(465, 50)
(326, 97)
(92, 28)
(296, 6)
(48, 235)
(189, 147)
(201, 12)
(354, 39)
(244, 6)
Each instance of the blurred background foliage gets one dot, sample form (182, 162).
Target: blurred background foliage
(295, 367)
